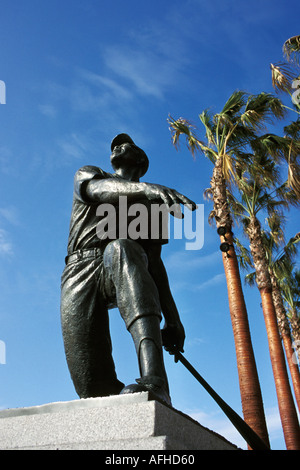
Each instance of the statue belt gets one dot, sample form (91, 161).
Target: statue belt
(79, 255)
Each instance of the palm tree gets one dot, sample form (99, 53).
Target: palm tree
(290, 285)
(286, 78)
(254, 182)
(285, 329)
(227, 135)
(280, 268)
(285, 75)
(292, 144)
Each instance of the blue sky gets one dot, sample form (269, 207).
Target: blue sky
(77, 73)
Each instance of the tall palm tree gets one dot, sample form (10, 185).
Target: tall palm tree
(227, 135)
(291, 295)
(280, 268)
(255, 196)
(292, 144)
(285, 331)
(280, 261)
(286, 78)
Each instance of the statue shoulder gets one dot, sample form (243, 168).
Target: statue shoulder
(83, 176)
(90, 170)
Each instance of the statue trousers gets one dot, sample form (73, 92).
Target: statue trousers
(90, 286)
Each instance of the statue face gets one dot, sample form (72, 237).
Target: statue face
(128, 155)
(125, 150)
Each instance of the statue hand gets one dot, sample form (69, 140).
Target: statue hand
(170, 197)
(173, 337)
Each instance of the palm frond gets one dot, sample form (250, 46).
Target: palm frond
(228, 167)
(234, 104)
(250, 278)
(208, 194)
(206, 120)
(293, 130)
(285, 192)
(211, 217)
(251, 119)
(282, 76)
(275, 221)
(291, 248)
(180, 127)
(270, 144)
(270, 204)
(290, 287)
(291, 49)
(237, 207)
(266, 107)
(264, 171)
(240, 137)
(292, 157)
(243, 255)
(294, 181)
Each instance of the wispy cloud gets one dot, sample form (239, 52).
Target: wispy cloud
(144, 72)
(48, 110)
(188, 260)
(212, 282)
(73, 145)
(191, 342)
(106, 84)
(150, 63)
(217, 422)
(112, 94)
(6, 247)
(191, 285)
(10, 214)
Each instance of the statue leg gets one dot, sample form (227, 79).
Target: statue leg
(127, 281)
(85, 327)
(127, 278)
(147, 339)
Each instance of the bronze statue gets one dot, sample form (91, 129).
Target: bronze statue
(104, 272)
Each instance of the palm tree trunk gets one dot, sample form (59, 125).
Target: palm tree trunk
(251, 397)
(284, 331)
(295, 326)
(293, 366)
(285, 400)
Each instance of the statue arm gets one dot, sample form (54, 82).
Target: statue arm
(109, 190)
(173, 330)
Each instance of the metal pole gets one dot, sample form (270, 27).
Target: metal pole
(254, 441)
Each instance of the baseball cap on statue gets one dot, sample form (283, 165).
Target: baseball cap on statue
(121, 139)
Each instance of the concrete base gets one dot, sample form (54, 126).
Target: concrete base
(123, 422)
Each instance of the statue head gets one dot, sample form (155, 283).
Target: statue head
(125, 152)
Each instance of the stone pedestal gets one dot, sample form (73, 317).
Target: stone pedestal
(124, 422)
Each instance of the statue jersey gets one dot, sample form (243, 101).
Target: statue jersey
(92, 227)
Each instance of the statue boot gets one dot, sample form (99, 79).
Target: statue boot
(147, 339)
